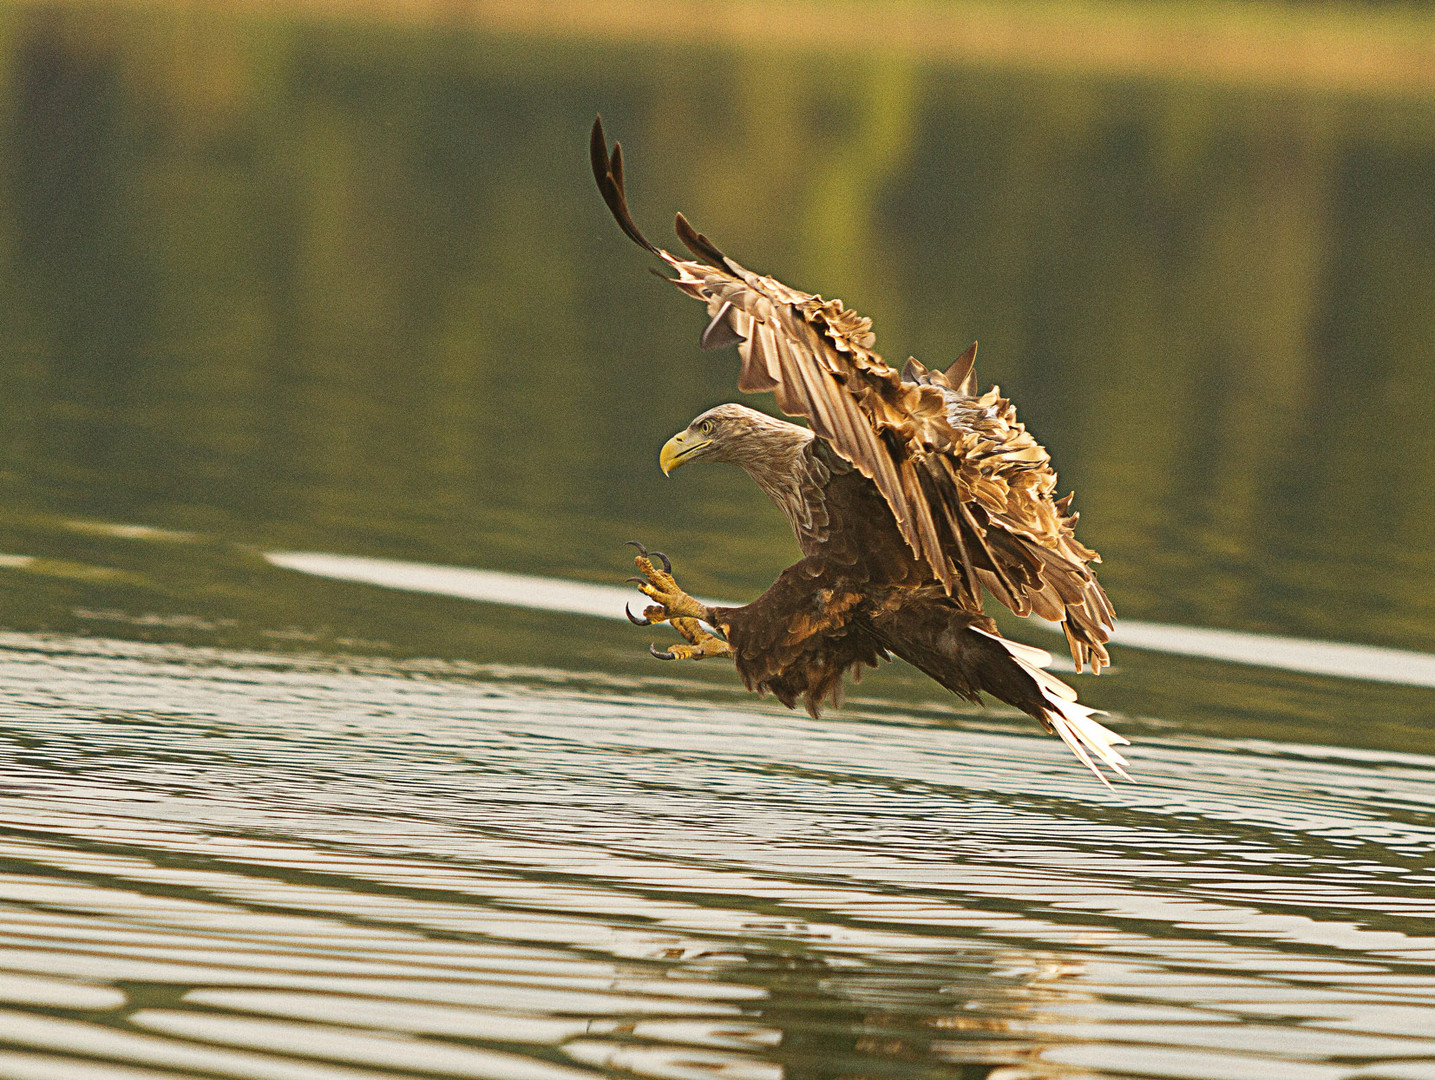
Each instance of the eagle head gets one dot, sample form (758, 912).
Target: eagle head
(729, 433)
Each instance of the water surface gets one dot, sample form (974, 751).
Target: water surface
(470, 872)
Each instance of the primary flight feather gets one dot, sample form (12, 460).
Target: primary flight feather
(910, 494)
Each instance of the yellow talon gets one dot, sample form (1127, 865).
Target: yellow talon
(677, 607)
(660, 586)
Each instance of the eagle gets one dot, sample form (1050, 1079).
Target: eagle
(910, 493)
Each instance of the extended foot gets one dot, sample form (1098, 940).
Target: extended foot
(676, 607)
(701, 644)
(672, 601)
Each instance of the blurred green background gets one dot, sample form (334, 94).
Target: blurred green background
(335, 277)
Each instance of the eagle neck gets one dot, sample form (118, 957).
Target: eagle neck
(782, 470)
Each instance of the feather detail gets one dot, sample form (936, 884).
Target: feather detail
(720, 331)
(962, 375)
(1027, 654)
(1067, 717)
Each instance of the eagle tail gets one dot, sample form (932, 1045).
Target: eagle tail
(936, 637)
(1058, 708)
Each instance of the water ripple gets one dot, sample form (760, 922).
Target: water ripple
(243, 864)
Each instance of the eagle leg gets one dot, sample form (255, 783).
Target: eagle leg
(676, 607)
(701, 644)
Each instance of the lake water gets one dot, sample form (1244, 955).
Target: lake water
(330, 395)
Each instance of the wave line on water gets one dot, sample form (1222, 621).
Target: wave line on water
(466, 583)
(1334, 658)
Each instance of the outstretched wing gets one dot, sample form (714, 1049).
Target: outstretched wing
(970, 490)
(997, 491)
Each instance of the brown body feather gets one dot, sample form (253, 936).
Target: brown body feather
(858, 594)
(910, 496)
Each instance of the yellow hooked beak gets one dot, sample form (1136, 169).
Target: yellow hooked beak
(677, 449)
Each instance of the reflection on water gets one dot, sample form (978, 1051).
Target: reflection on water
(294, 861)
(290, 285)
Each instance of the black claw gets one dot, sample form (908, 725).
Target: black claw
(638, 580)
(667, 566)
(660, 654)
(644, 621)
(641, 549)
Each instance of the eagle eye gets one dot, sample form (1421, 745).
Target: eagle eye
(706, 427)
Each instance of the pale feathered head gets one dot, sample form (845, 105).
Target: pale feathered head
(733, 434)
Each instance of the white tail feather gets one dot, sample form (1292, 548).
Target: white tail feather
(1076, 728)
(1069, 719)
(1033, 660)
(1030, 654)
(1050, 685)
(1069, 736)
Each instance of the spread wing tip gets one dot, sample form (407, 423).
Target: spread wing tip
(697, 243)
(608, 172)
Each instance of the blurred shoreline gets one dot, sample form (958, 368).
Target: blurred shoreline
(1381, 51)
